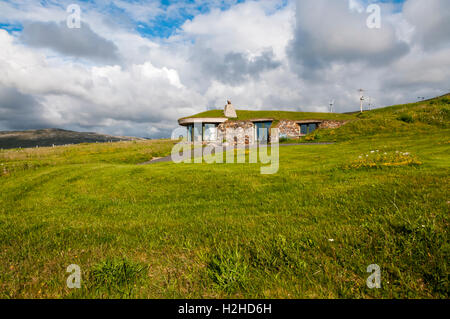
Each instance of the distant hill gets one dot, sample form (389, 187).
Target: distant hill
(54, 136)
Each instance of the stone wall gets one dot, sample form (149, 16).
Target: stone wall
(332, 124)
(236, 132)
(243, 132)
(288, 128)
(292, 129)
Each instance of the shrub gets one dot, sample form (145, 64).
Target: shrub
(313, 136)
(283, 139)
(445, 100)
(407, 118)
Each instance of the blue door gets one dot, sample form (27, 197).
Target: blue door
(262, 131)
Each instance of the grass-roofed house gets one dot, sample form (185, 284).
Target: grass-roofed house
(232, 126)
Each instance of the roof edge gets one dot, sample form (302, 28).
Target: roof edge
(192, 120)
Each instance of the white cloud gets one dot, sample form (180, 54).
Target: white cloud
(431, 22)
(90, 96)
(327, 31)
(246, 27)
(261, 55)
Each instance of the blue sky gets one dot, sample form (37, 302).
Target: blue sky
(173, 13)
(135, 67)
(170, 17)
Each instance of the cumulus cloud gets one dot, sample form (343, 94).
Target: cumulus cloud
(94, 96)
(19, 111)
(419, 72)
(76, 42)
(246, 27)
(233, 68)
(327, 31)
(431, 22)
(274, 54)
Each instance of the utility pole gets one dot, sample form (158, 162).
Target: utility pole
(361, 99)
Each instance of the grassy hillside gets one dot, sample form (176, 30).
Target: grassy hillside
(131, 152)
(224, 230)
(50, 137)
(418, 118)
(276, 115)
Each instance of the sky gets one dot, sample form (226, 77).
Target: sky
(134, 67)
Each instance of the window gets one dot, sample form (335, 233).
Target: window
(197, 133)
(312, 127)
(209, 132)
(189, 133)
(304, 129)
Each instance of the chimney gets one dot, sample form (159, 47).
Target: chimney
(229, 110)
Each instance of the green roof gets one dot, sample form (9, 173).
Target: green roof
(275, 115)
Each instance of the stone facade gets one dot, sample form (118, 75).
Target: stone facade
(243, 132)
(236, 132)
(230, 131)
(288, 128)
(332, 124)
(233, 132)
(291, 129)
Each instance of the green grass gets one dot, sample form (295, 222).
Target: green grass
(224, 230)
(132, 152)
(276, 115)
(399, 120)
(115, 278)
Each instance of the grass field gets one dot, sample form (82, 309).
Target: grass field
(277, 115)
(224, 230)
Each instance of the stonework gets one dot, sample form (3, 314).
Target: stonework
(289, 128)
(332, 124)
(233, 132)
(236, 132)
(243, 132)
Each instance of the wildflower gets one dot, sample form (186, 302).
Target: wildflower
(331, 239)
